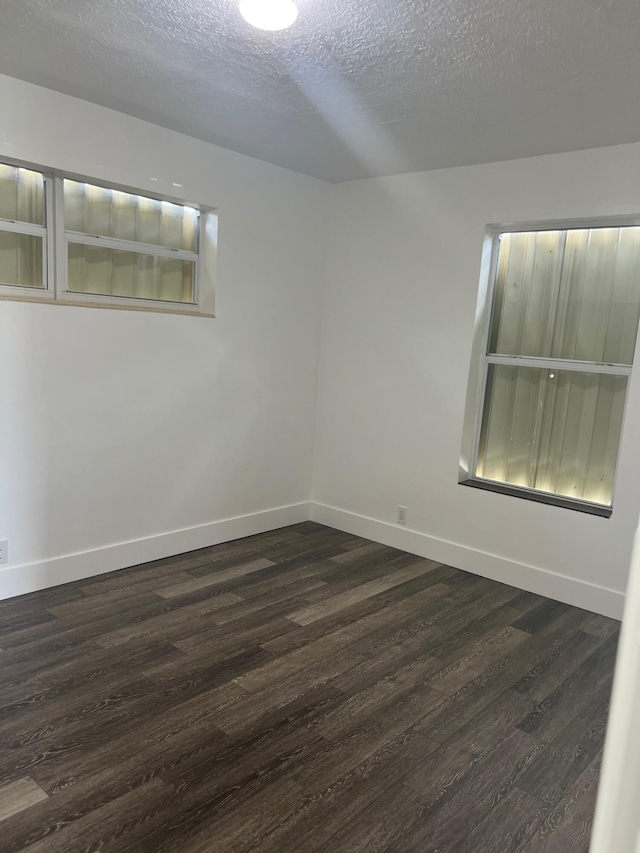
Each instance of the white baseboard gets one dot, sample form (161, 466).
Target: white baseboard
(597, 599)
(29, 577)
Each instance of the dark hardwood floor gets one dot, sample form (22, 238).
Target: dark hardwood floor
(296, 692)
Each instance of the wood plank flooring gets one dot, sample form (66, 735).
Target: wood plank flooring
(295, 692)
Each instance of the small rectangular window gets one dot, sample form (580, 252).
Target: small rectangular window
(23, 233)
(129, 246)
(564, 306)
(71, 241)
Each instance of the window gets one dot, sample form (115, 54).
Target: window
(23, 231)
(546, 407)
(113, 247)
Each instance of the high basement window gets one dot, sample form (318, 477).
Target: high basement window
(68, 240)
(23, 230)
(545, 408)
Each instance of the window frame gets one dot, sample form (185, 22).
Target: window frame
(56, 239)
(481, 359)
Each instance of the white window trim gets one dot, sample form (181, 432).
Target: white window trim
(481, 359)
(55, 252)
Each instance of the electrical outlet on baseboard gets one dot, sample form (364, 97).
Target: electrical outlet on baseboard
(402, 515)
(4, 551)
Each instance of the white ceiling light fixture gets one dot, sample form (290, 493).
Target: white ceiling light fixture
(269, 14)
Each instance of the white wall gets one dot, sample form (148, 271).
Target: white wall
(115, 426)
(617, 821)
(120, 427)
(403, 273)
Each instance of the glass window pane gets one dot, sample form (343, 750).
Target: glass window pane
(123, 216)
(568, 294)
(112, 272)
(21, 195)
(21, 259)
(553, 431)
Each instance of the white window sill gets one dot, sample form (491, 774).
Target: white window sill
(110, 306)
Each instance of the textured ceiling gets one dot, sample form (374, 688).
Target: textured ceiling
(355, 87)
